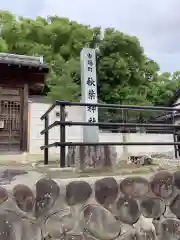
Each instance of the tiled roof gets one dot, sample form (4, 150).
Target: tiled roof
(23, 60)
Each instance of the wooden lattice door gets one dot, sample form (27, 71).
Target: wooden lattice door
(10, 120)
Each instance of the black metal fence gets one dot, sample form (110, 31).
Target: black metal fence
(172, 127)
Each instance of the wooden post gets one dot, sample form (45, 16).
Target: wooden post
(46, 140)
(21, 117)
(25, 118)
(62, 136)
(176, 148)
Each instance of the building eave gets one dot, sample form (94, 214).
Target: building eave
(24, 61)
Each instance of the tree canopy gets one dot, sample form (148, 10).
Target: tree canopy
(125, 74)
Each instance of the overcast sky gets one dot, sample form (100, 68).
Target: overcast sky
(154, 22)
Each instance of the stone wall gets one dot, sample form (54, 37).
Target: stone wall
(106, 209)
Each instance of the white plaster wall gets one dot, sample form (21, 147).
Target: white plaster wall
(140, 137)
(38, 106)
(36, 110)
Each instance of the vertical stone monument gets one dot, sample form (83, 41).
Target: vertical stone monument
(89, 93)
(90, 156)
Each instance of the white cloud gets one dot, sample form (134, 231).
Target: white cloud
(155, 23)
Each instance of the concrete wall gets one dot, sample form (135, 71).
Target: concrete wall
(38, 106)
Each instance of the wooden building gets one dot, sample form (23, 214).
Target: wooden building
(20, 76)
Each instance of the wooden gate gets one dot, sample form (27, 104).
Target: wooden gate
(10, 120)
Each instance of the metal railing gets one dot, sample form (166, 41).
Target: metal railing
(63, 123)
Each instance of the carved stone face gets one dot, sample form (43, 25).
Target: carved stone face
(77, 192)
(127, 210)
(47, 192)
(152, 207)
(100, 223)
(170, 229)
(24, 197)
(162, 184)
(106, 191)
(134, 187)
(60, 223)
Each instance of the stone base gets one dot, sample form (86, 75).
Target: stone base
(91, 156)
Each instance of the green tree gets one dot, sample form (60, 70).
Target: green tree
(125, 74)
